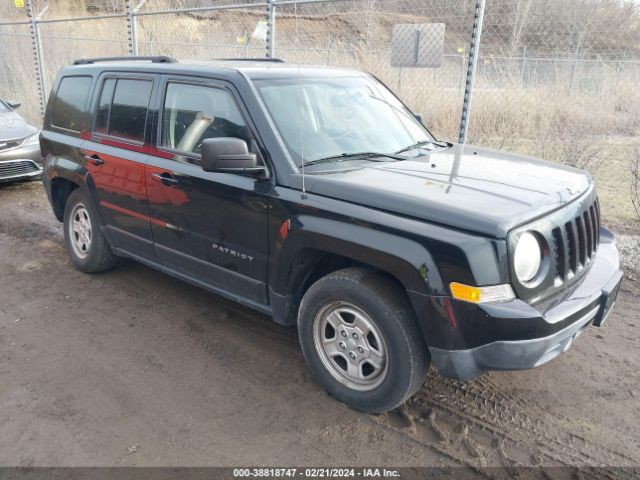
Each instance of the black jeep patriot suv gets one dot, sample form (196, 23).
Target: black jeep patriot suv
(314, 195)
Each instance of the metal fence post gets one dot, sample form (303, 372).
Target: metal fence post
(271, 28)
(131, 29)
(471, 69)
(37, 56)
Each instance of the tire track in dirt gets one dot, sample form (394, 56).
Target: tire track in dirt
(478, 424)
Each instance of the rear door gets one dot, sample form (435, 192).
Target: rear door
(116, 154)
(215, 224)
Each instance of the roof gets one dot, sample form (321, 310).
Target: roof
(254, 69)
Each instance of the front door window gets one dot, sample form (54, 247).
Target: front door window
(193, 113)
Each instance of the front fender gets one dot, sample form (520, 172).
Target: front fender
(407, 260)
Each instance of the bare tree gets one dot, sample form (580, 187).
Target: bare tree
(635, 180)
(369, 7)
(520, 16)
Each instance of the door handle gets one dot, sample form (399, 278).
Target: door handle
(94, 159)
(166, 178)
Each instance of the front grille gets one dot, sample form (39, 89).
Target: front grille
(14, 168)
(575, 243)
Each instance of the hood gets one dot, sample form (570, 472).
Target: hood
(13, 127)
(466, 187)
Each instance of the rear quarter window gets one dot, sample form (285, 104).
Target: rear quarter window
(70, 103)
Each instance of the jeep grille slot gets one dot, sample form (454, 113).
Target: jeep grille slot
(572, 252)
(588, 227)
(582, 241)
(575, 244)
(559, 252)
(597, 208)
(594, 226)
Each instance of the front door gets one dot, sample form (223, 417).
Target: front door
(215, 224)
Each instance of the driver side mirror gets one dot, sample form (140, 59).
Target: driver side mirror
(418, 117)
(229, 155)
(14, 104)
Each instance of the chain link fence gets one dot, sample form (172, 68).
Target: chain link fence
(202, 30)
(554, 78)
(358, 34)
(17, 68)
(65, 40)
(558, 78)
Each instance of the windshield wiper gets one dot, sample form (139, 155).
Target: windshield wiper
(424, 142)
(348, 156)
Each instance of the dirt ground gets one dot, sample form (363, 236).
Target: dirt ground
(133, 367)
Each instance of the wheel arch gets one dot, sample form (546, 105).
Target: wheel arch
(61, 189)
(308, 249)
(63, 176)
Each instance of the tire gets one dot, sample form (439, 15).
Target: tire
(86, 245)
(389, 359)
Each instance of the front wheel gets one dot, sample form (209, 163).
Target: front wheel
(86, 245)
(360, 338)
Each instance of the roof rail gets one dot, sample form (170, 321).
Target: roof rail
(262, 59)
(157, 59)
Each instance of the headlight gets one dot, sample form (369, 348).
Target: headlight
(527, 257)
(32, 139)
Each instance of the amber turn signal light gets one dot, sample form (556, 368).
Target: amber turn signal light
(493, 293)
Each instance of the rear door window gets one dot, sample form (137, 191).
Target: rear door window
(70, 103)
(122, 108)
(104, 106)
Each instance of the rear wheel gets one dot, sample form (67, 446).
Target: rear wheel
(86, 245)
(360, 338)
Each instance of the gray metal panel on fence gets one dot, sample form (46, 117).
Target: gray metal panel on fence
(417, 45)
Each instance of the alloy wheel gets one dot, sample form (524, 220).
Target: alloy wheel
(80, 232)
(350, 346)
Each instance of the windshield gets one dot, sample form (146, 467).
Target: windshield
(331, 117)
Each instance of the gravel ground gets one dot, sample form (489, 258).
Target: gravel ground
(629, 245)
(133, 367)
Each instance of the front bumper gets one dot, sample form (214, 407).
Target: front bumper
(515, 335)
(20, 163)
